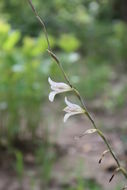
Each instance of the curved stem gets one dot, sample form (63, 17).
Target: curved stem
(76, 92)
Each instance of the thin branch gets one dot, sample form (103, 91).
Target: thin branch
(41, 22)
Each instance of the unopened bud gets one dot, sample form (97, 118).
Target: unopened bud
(116, 170)
(89, 131)
(102, 156)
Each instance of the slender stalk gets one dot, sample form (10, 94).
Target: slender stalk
(109, 147)
(76, 92)
(41, 22)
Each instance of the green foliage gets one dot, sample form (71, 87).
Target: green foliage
(89, 29)
(19, 165)
(45, 158)
(89, 26)
(116, 98)
(88, 184)
(68, 43)
(121, 98)
(21, 82)
(95, 81)
(83, 184)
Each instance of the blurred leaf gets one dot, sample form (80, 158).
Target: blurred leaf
(11, 41)
(19, 165)
(68, 42)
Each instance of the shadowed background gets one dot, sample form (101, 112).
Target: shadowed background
(38, 151)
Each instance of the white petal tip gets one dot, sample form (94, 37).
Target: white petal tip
(51, 100)
(52, 96)
(65, 99)
(49, 80)
(64, 120)
(67, 115)
(67, 102)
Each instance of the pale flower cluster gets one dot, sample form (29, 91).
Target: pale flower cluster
(60, 87)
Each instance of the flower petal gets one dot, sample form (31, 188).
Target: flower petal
(67, 115)
(72, 110)
(67, 109)
(51, 82)
(52, 96)
(72, 106)
(63, 85)
(58, 85)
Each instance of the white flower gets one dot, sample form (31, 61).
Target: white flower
(72, 109)
(57, 87)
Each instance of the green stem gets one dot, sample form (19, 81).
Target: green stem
(109, 147)
(76, 92)
(123, 171)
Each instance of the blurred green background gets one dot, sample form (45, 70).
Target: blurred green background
(90, 39)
